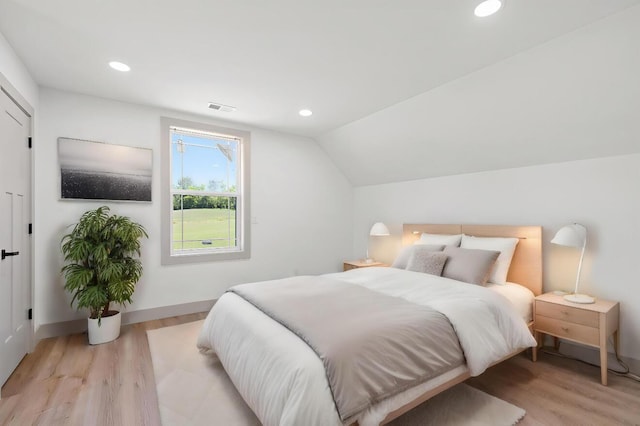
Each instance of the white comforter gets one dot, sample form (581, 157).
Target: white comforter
(283, 380)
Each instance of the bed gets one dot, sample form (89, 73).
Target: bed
(284, 380)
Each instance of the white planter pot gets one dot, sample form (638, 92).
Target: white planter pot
(108, 330)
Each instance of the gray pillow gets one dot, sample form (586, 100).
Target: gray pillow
(469, 265)
(429, 262)
(402, 260)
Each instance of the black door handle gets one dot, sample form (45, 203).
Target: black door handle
(8, 253)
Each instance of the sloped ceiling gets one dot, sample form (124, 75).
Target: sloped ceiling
(575, 97)
(400, 90)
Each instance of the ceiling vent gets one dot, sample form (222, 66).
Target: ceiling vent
(220, 107)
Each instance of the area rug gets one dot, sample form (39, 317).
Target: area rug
(193, 389)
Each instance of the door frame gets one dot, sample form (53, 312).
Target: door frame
(14, 94)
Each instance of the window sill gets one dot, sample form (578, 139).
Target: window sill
(185, 258)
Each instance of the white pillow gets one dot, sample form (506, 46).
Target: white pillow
(440, 239)
(506, 247)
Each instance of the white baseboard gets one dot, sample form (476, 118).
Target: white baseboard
(79, 326)
(592, 355)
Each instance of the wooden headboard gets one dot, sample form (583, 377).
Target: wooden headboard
(526, 266)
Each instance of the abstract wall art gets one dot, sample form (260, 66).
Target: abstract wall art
(101, 171)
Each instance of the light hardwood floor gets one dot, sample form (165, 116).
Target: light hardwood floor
(67, 382)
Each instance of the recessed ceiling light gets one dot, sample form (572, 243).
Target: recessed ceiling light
(119, 66)
(305, 112)
(487, 7)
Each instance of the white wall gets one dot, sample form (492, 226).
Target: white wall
(302, 203)
(14, 70)
(603, 194)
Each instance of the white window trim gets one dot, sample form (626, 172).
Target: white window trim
(243, 204)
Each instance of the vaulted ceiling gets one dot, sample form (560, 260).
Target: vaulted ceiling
(389, 82)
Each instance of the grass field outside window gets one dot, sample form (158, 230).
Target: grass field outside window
(196, 228)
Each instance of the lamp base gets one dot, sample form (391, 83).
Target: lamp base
(579, 298)
(368, 260)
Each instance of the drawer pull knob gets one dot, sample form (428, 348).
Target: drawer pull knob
(565, 328)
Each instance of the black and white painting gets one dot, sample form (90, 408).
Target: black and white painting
(101, 171)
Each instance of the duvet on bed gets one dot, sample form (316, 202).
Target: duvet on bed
(372, 345)
(285, 382)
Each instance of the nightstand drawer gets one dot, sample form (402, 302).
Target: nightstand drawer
(567, 330)
(567, 313)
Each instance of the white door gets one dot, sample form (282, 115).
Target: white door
(15, 208)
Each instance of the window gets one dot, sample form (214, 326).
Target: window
(205, 203)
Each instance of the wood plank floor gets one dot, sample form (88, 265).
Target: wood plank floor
(67, 382)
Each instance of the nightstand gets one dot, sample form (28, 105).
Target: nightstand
(355, 264)
(588, 324)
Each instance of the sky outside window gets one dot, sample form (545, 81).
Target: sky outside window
(204, 160)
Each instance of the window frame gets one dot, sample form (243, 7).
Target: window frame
(243, 213)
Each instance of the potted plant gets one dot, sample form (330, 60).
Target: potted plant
(102, 266)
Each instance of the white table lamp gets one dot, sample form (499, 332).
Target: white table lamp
(574, 235)
(378, 229)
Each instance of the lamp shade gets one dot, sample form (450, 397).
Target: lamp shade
(574, 235)
(379, 229)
